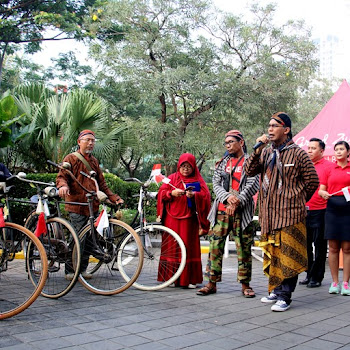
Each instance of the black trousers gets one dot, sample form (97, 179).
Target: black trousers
(315, 224)
(285, 290)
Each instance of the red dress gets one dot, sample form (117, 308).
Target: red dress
(185, 219)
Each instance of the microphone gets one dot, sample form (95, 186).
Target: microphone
(257, 145)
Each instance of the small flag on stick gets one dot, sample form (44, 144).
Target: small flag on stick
(161, 178)
(156, 170)
(2, 220)
(102, 222)
(346, 193)
(41, 225)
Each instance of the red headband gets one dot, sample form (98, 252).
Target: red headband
(234, 133)
(86, 132)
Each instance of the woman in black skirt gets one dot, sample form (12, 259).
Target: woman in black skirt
(334, 183)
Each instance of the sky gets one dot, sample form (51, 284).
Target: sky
(323, 16)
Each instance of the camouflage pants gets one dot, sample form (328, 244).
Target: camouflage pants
(225, 225)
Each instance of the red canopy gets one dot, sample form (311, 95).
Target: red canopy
(331, 125)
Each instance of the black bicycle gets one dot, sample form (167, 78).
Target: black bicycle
(21, 254)
(108, 249)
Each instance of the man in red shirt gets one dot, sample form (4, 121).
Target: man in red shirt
(231, 214)
(316, 208)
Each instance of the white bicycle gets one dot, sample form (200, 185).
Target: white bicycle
(160, 245)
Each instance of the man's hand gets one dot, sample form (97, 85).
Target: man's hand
(63, 191)
(233, 200)
(230, 210)
(264, 140)
(119, 201)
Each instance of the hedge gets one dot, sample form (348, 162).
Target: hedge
(127, 190)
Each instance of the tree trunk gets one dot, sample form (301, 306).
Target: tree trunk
(2, 57)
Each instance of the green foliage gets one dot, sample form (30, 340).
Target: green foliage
(8, 116)
(197, 88)
(53, 122)
(127, 190)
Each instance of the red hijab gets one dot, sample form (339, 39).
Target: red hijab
(178, 207)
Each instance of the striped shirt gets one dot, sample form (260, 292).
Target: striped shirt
(248, 186)
(284, 207)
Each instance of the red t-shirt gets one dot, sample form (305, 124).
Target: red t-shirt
(336, 178)
(316, 202)
(236, 176)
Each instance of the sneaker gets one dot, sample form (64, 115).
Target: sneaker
(191, 286)
(334, 288)
(271, 298)
(280, 305)
(345, 290)
(86, 275)
(69, 276)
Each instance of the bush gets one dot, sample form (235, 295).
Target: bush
(127, 190)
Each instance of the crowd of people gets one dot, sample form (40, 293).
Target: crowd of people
(304, 210)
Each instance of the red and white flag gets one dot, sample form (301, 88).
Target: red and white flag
(161, 178)
(2, 219)
(102, 222)
(346, 193)
(156, 170)
(41, 225)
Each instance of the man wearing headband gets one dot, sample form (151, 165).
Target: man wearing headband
(288, 180)
(70, 191)
(231, 213)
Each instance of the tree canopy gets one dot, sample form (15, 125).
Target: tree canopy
(28, 22)
(236, 75)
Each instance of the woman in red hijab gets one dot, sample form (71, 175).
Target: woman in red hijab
(186, 213)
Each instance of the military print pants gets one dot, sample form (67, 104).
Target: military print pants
(230, 225)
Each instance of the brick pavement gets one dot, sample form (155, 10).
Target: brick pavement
(175, 318)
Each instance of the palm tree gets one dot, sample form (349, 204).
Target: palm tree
(53, 122)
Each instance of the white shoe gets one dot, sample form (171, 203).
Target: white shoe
(280, 305)
(192, 286)
(171, 285)
(271, 298)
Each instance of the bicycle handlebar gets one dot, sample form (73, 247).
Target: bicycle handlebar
(59, 166)
(21, 176)
(143, 184)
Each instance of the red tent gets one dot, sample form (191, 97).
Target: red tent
(331, 125)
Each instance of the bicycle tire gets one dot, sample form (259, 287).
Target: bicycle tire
(59, 243)
(17, 292)
(155, 236)
(106, 277)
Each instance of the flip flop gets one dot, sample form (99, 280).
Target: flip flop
(248, 293)
(206, 291)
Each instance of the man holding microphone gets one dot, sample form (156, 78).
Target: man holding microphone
(288, 180)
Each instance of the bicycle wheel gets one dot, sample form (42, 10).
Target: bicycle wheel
(59, 242)
(161, 244)
(100, 259)
(17, 292)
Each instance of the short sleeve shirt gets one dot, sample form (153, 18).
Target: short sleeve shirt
(316, 202)
(336, 178)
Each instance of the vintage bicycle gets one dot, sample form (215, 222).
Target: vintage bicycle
(158, 241)
(117, 246)
(21, 254)
(60, 241)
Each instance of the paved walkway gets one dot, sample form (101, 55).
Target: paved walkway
(176, 318)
